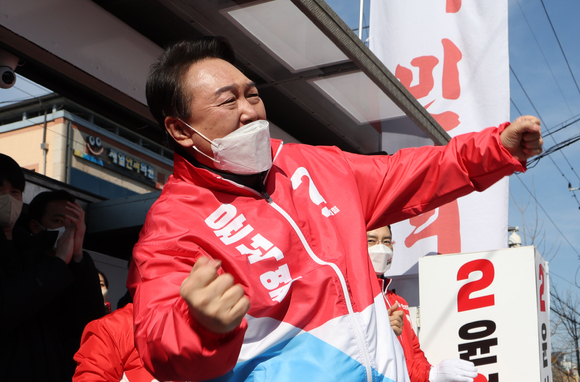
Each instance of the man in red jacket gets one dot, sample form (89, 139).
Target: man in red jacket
(248, 266)
(380, 243)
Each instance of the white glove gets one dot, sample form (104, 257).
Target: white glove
(453, 370)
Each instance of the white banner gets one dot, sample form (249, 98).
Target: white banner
(491, 308)
(452, 55)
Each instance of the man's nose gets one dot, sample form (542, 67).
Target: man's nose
(248, 112)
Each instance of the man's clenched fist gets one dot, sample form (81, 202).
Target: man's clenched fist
(214, 301)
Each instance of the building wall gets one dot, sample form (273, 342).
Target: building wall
(79, 145)
(57, 151)
(24, 146)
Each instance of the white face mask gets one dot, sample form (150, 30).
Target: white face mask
(244, 151)
(382, 257)
(60, 231)
(10, 209)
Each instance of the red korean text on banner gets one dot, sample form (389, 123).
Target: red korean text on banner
(450, 84)
(453, 6)
(445, 227)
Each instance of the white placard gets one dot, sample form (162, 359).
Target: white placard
(492, 308)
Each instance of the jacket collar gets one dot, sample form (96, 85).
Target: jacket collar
(191, 171)
(384, 283)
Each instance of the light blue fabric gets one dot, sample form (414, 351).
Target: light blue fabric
(304, 358)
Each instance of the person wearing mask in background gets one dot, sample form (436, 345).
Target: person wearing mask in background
(44, 306)
(104, 282)
(48, 212)
(380, 249)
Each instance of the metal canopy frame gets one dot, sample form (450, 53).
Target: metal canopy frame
(292, 102)
(273, 78)
(336, 29)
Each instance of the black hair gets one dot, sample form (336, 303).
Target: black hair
(104, 278)
(37, 207)
(10, 171)
(166, 92)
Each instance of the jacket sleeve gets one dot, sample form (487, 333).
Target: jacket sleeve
(171, 344)
(416, 180)
(418, 367)
(417, 364)
(98, 358)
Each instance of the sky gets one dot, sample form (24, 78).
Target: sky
(22, 89)
(544, 81)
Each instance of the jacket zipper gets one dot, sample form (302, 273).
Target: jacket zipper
(359, 336)
(358, 331)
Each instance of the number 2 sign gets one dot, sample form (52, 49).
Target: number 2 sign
(491, 308)
(465, 301)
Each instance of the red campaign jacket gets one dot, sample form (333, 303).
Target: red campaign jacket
(299, 251)
(108, 352)
(417, 364)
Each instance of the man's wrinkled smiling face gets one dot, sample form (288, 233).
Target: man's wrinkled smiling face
(223, 99)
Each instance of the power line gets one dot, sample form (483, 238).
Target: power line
(564, 124)
(526, 94)
(546, 213)
(543, 55)
(513, 103)
(559, 146)
(560, 45)
(551, 159)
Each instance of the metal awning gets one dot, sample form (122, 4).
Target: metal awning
(319, 82)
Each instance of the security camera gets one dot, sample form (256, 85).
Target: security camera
(8, 63)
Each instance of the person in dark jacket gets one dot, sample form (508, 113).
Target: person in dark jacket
(49, 287)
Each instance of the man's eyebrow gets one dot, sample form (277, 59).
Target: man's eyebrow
(231, 87)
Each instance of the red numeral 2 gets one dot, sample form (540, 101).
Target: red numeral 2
(542, 298)
(464, 301)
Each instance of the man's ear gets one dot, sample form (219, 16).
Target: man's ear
(178, 131)
(35, 227)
